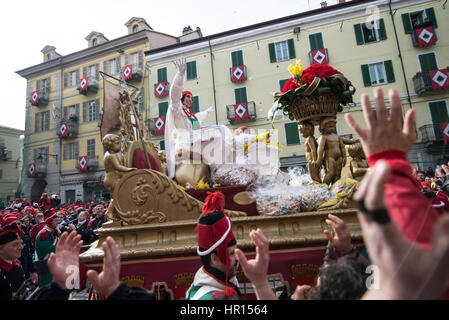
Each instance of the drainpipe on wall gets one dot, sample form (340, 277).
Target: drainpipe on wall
(213, 81)
(400, 56)
(60, 140)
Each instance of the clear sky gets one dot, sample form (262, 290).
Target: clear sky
(28, 26)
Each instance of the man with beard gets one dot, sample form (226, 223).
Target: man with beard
(216, 246)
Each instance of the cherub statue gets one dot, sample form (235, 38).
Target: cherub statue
(307, 130)
(112, 166)
(331, 151)
(358, 165)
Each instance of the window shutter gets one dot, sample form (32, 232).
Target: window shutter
(66, 80)
(162, 145)
(65, 113)
(77, 76)
(237, 58)
(272, 52)
(65, 152)
(389, 70)
(118, 64)
(316, 41)
(140, 59)
(291, 48)
(126, 59)
(97, 70)
(48, 85)
(430, 12)
(163, 107)
(36, 122)
(195, 104)
(35, 155)
(84, 72)
(97, 109)
(162, 75)
(282, 83)
(240, 95)
(84, 111)
(382, 31)
(358, 34)
(292, 133)
(47, 120)
(191, 70)
(407, 23)
(428, 62)
(105, 66)
(366, 76)
(76, 151)
(77, 110)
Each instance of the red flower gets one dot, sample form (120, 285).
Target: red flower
(290, 85)
(317, 70)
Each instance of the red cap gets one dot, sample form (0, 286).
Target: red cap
(241, 129)
(10, 233)
(187, 92)
(427, 184)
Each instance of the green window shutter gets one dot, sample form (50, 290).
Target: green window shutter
(84, 111)
(282, 83)
(430, 12)
(366, 76)
(191, 70)
(438, 112)
(407, 23)
(428, 62)
(162, 145)
(389, 69)
(382, 31)
(195, 104)
(272, 52)
(291, 48)
(162, 75)
(291, 133)
(163, 107)
(240, 95)
(359, 34)
(237, 58)
(316, 41)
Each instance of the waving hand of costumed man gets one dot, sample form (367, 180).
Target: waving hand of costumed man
(179, 115)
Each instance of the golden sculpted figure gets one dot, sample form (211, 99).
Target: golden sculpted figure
(307, 130)
(113, 167)
(331, 151)
(358, 165)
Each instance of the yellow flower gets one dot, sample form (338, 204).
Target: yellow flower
(202, 185)
(296, 70)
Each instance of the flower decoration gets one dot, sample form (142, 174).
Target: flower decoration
(316, 80)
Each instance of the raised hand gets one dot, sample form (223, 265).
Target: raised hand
(181, 64)
(108, 280)
(65, 261)
(342, 238)
(384, 133)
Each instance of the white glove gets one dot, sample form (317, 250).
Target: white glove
(210, 109)
(181, 64)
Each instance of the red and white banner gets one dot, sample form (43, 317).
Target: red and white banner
(160, 89)
(445, 131)
(440, 79)
(241, 111)
(35, 97)
(63, 129)
(426, 37)
(128, 71)
(82, 164)
(83, 84)
(319, 56)
(31, 169)
(238, 74)
(159, 125)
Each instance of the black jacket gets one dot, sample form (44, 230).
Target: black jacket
(11, 278)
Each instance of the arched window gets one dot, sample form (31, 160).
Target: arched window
(94, 42)
(135, 28)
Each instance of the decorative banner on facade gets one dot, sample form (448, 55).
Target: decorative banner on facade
(445, 130)
(238, 74)
(128, 72)
(160, 89)
(31, 169)
(82, 163)
(426, 37)
(63, 129)
(35, 97)
(241, 111)
(83, 84)
(319, 56)
(159, 125)
(440, 79)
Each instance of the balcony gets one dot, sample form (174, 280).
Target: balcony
(238, 74)
(424, 37)
(156, 125)
(136, 73)
(40, 97)
(92, 164)
(38, 169)
(68, 129)
(241, 112)
(161, 89)
(426, 85)
(5, 154)
(431, 134)
(89, 86)
(320, 56)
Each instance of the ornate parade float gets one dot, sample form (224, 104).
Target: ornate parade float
(154, 218)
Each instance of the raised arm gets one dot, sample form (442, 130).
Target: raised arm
(178, 83)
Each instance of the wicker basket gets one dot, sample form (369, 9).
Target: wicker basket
(315, 107)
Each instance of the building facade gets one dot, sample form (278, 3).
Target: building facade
(10, 162)
(63, 152)
(403, 46)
